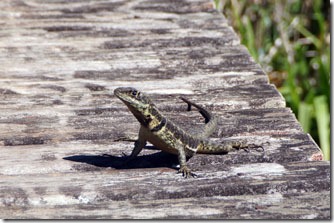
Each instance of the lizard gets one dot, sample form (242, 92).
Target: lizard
(167, 136)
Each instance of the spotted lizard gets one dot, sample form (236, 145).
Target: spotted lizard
(169, 137)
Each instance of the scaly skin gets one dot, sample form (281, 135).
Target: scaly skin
(167, 136)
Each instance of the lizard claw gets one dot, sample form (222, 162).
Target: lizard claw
(186, 172)
(261, 147)
(252, 146)
(257, 147)
(127, 158)
(246, 149)
(106, 155)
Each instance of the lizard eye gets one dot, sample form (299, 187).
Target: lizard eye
(134, 92)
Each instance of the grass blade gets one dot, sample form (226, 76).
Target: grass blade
(323, 121)
(305, 116)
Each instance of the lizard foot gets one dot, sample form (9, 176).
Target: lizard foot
(186, 172)
(252, 146)
(127, 158)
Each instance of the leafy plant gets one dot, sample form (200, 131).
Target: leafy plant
(290, 39)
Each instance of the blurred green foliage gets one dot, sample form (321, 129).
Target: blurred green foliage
(291, 40)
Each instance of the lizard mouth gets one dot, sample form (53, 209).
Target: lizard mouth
(118, 93)
(124, 93)
(129, 96)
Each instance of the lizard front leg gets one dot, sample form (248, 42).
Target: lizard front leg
(139, 144)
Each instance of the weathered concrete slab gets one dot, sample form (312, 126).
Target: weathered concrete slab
(63, 132)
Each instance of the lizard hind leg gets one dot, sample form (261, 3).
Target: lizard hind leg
(186, 172)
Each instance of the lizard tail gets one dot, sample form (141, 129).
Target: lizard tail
(209, 147)
(226, 146)
(211, 121)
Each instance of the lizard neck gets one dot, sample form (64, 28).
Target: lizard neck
(150, 117)
(157, 120)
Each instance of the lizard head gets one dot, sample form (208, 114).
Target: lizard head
(137, 102)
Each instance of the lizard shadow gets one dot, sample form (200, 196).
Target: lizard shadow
(155, 160)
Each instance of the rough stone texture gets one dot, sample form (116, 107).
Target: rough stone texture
(63, 132)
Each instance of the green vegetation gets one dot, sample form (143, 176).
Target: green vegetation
(291, 40)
